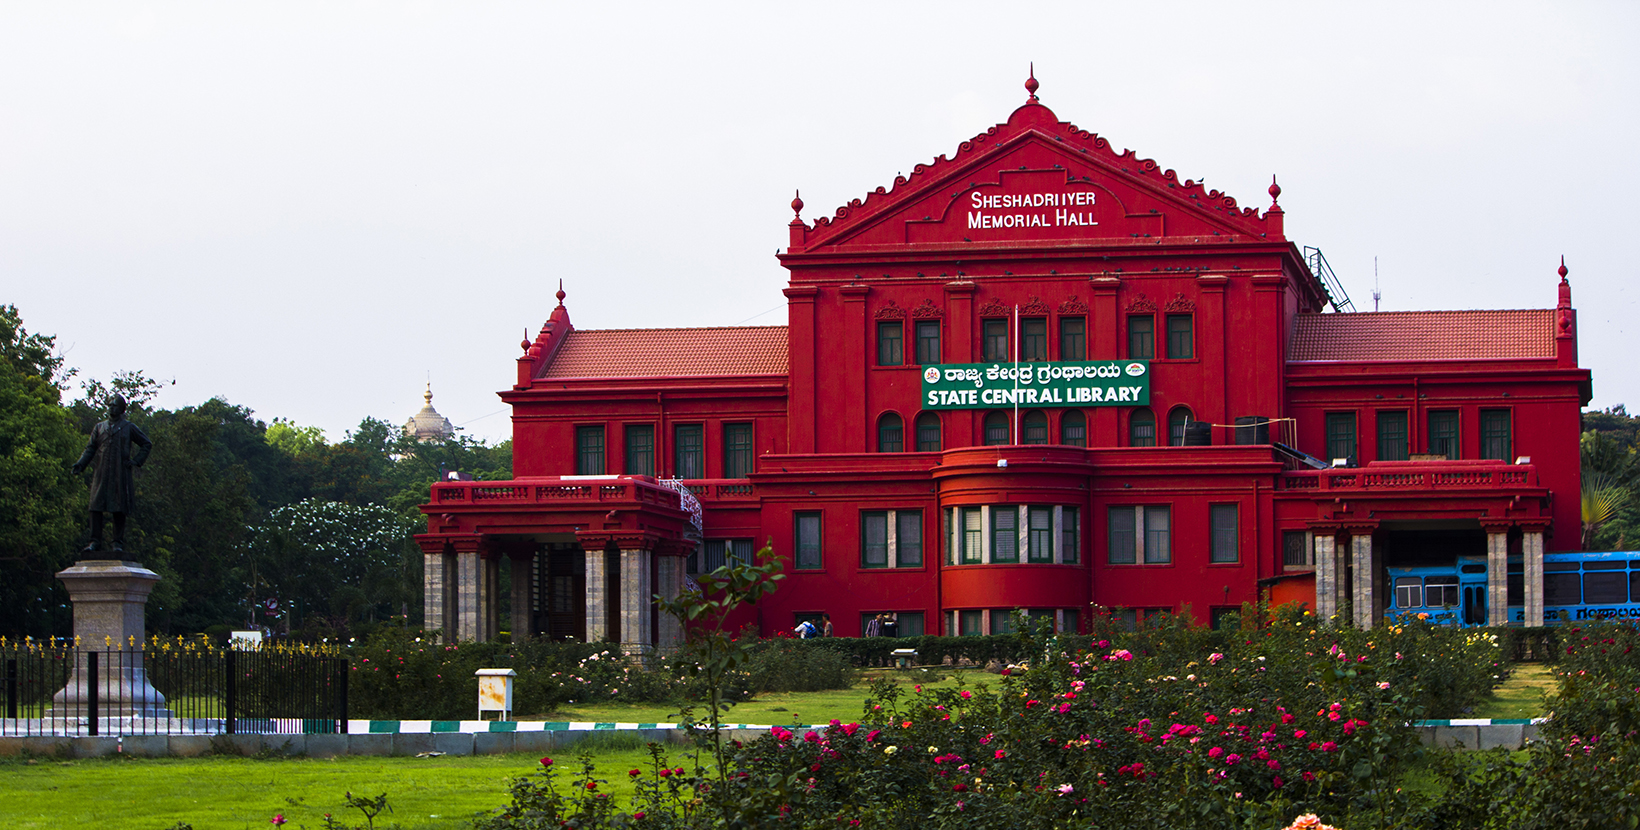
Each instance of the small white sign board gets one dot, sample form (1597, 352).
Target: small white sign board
(245, 640)
(495, 692)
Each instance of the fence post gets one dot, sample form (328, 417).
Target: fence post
(230, 687)
(11, 688)
(341, 666)
(91, 691)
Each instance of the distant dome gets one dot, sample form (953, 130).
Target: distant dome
(428, 425)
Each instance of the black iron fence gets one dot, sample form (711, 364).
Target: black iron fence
(170, 688)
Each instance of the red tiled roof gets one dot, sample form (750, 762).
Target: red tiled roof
(1424, 335)
(655, 353)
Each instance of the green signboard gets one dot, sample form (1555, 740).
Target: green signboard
(1005, 385)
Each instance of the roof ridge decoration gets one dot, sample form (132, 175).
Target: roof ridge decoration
(1035, 118)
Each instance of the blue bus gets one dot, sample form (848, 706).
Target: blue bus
(1577, 587)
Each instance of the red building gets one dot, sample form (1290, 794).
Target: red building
(1037, 374)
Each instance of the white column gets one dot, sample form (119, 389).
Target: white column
(1326, 576)
(637, 600)
(1362, 596)
(597, 597)
(469, 588)
(1532, 548)
(893, 537)
(1497, 577)
(433, 582)
(985, 534)
(1058, 535)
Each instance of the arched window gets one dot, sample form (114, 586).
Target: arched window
(1073, 428)
(1035, 427)
(1142, 428)
(1176, 419)
(890, 433)
(928, 432)
(996, 428)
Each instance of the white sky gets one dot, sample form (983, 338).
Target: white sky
(307, 208)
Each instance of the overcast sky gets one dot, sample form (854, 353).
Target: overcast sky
(310, 209)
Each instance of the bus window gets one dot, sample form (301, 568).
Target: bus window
(1562, 588)
(1441, 591)
(1634, 583)
(1409, 591)
(1515, 584)
(1604, 565)
(1473, 569)
(1609, 588)
(1560, 566)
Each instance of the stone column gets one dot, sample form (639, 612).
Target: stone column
(1327, 575)
(597, 597)
(637, 602)
(475, 591)
(523, 594)
(1497, 573)
(1363, 598)
(110, 599)
(1532, 553)
(669, 583)
(437, 609)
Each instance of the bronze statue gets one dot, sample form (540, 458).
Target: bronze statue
(108, 453)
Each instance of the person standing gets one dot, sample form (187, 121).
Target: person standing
(874, 626)
(825, 625)
(108, 454)
(891, 624)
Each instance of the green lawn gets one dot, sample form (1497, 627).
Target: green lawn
(218, 792)
(1521, 696)
(771, 707)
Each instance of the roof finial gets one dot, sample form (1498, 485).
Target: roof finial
(1031, 84)
(561, 293)
(428, 397)
(1275, 190)
(1563, 271)
(797, 203)
(525, 343)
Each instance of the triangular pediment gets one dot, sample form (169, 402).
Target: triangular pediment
(1036, 180)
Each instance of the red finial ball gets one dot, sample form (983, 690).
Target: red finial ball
(797, 203)
(1031, 84)
(525, 345)
(1275, 189)
(1563, 271)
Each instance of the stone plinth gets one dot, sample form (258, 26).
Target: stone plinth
(110, 597)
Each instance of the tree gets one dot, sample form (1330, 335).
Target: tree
(43, 503)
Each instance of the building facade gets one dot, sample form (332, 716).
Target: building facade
(1038, 374)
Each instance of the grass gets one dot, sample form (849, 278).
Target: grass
(220, 792)
(805, 708)
(1521, 696)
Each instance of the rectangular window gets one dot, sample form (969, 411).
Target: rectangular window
(908, 539)
(1340, 435)
(1002, 621)
(1409, 592)
(1124, 541)
(640, 450)
(688, 451)
(1495, 437)
(589, 451)
(928, 341)
(1158, 539)
(1441, 591)
(1033, 338)
(1141, 337)
(1005, 533)
(1610, 588)
(1392, 436)
(1073, 621)
(1039, 538)
(1562, 589)
(737, 450)
(807, 530)
(1224, 520)
(1295, 549)
(970, 623)
(928, 432)
(720, 552)
(973, 535)
(1070, 537)
(1181, 339)
(911, 623)
(890, 345)
(1443, 433)
(1073, 338)
(996, 341)
(874, 540)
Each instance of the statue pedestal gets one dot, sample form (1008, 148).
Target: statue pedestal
(109, 598)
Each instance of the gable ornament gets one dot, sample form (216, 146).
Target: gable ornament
(1073, 306)
(1035, 308)
(927, 311)
(890, 312)
(1141, 305)
(993, 308)
(1181, 304)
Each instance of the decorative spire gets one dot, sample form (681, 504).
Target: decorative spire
(525, 344)
(1563, 271)
(428, 396)
(1031, 84)
(1275, 192)
(561, 294)
(797, 205)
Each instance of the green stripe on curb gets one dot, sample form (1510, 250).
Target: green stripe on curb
(446, 726)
